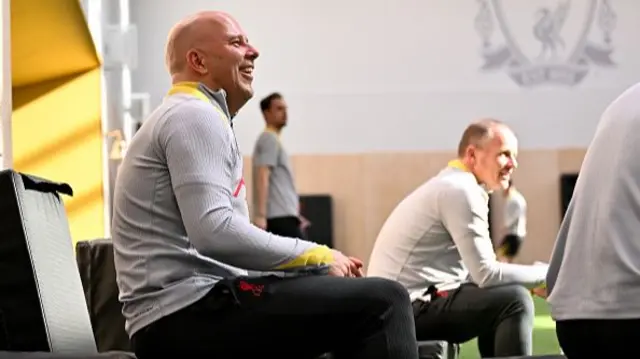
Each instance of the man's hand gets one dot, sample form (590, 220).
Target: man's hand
(356, 267)
(304, 223)
(344, 266)
(340, 266)
(260, 222)
(540, 292)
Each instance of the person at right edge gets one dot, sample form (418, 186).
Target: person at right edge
(594, 272)
(436, 242)
(183, 241)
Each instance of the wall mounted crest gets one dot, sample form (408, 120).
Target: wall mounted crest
(555, 44)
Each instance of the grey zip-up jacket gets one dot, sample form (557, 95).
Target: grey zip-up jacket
(180, 216)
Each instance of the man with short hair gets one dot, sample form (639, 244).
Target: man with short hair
(436, 243)
(183, 242)
(515, 223)
(276, 202)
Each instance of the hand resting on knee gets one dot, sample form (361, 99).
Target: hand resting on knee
(343, 266)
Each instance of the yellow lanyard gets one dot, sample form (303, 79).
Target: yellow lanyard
(457, 164)
(191, 88)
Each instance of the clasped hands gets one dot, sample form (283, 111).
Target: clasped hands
(344, 266)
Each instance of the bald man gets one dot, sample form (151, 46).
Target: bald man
(184, 244)
(436, 243)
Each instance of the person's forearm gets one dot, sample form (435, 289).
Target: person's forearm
(198, 147)
(466, 219)
(479, 257)
(262, 189)
(219, 233)
(507, 273)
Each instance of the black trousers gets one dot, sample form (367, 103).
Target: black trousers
(599, 338)
(500, 317)
(285, 226)
(288, 318)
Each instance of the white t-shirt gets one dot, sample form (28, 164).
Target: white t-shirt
(515, 214)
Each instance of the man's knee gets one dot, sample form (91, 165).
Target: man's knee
(518, 299)
(386, 294)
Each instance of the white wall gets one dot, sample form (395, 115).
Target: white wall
(383, 75)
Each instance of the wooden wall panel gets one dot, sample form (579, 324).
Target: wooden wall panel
(365, 189)
(537, 178)
(387, 179)
(342, 178)
(570, 160)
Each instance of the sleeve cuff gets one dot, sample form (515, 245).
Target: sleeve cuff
(316, 256)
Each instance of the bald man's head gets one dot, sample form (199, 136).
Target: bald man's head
(177, 43)
(210, 47)
(477, 134)
(191, 32)
(489, 149)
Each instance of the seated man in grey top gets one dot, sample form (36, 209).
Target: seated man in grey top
(183, 242)
(436, 243)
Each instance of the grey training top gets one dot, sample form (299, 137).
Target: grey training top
(594, 271)
(180, 218)
(439, 235)
(282, 199)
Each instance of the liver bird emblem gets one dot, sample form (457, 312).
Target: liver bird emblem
(547, 29)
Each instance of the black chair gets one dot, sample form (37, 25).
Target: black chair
(41, 296)
(98, 275)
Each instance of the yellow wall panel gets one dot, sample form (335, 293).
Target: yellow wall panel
(57, 135)
(49, 39)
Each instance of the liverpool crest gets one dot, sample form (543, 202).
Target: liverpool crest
(546, 42)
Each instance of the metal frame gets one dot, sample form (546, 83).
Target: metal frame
(6, 102)
(95, 21)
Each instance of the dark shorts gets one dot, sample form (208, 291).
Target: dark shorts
(285, 226)
(510, 245)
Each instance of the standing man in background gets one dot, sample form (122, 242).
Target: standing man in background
(276, 201)
(515, 222)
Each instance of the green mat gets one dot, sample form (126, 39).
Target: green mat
(544, 335)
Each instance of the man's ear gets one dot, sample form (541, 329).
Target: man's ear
(197, 61)
(471, 152)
